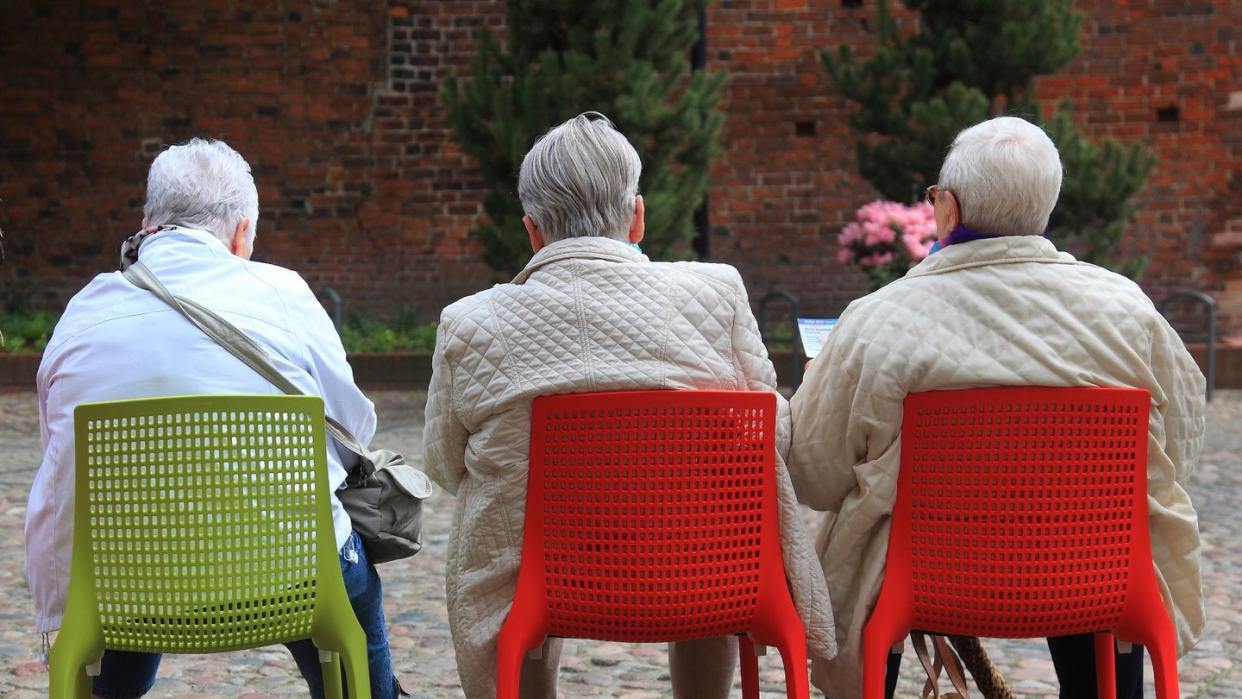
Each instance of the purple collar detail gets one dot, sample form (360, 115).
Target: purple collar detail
(962, 234)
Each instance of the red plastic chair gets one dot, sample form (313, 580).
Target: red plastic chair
(1022, 513)
(652, 516)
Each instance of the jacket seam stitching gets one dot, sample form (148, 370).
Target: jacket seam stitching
(585, 352)
(993, 262)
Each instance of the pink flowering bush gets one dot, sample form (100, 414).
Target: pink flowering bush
(886, 239)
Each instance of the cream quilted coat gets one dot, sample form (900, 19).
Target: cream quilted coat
(1007, 311)
(587, 314)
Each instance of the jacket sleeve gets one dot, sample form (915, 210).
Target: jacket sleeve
(1178, 408)
(829, 441)
(1184, 402)
(444, 437)
(342, 399)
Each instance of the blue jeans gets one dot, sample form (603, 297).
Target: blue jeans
(125, 674)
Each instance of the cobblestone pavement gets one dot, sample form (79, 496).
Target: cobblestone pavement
(414, 596)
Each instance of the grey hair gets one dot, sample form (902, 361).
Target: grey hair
(1006, 175)
(580, 179)
(201, 184)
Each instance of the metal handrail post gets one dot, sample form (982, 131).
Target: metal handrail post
(336, 312)
(794, 339)
(1210, 337)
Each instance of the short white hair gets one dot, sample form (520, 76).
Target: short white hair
(1006, 176)
(202, 184)
(580, 179)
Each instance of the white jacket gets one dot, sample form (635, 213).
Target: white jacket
(1011, 312)
(117, 341)
(587, 314)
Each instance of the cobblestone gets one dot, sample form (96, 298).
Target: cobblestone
(414, 596)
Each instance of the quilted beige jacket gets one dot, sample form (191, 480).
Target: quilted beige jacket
(587, 314)
(1008, 311)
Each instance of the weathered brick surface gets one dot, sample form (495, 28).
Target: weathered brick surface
(363, 187)
(334, 104)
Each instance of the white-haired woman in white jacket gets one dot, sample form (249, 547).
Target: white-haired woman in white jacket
(999, 305)
(589, 312)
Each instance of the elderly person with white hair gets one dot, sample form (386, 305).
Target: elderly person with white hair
(997, 305)
(117, 341)
(589, 312)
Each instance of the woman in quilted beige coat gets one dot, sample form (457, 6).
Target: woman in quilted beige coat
(998, 305)
(589, 313)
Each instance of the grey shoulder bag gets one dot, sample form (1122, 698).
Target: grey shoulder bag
(383, 495)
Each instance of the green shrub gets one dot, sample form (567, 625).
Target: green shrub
(30, 331)
(404, 334)
(26, 331)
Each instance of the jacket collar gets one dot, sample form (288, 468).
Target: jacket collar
(587, 247)
(1004, 250)
(183, 234)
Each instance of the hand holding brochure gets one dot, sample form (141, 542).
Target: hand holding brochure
(814, 331)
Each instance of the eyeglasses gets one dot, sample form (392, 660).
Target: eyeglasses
(930, 194)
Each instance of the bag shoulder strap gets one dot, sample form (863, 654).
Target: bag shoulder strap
(944, 658)
(235, 341)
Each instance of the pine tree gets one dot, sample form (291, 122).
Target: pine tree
(971, 59)
(627, 59)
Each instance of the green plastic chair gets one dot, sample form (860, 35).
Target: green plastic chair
(203, 524)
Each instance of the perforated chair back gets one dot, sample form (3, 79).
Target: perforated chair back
(1020, 513)
(203, 524)
(651, 516)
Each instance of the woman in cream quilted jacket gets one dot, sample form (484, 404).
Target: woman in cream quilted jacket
(589, 313)
(998, 305)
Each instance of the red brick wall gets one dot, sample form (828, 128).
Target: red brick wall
(363, 188)
(1139, 60)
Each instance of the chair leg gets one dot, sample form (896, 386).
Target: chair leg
(357, 671)
(1152, 628)
(750, 667)
(883, 630)
(1105, 665)
(1164, 667)
(1155, 632)
(67, 678)
(779, 625)
(344, 643)
(73, 684)
(330, 671)
(792, 646)
(517, 637)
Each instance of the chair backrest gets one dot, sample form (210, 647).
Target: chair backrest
(1021, 512)
(202, 522)
(652, 514)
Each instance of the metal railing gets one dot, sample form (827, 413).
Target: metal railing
(1208, 336)
(336, 310)
(793, 338)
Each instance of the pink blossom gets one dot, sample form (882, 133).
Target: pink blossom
(916, 249)
(878, 259)
(877, 234)
(850, 234)
(880, 227)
